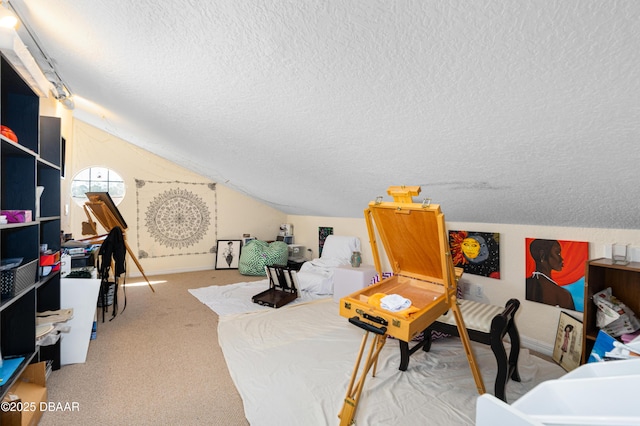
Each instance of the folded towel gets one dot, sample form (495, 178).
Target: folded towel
(376, 300)
(394, 303)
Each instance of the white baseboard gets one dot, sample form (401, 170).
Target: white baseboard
(536, 345)
(135, 273)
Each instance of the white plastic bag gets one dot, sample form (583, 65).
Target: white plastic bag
(613, 316)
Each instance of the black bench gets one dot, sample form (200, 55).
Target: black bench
(486, 324)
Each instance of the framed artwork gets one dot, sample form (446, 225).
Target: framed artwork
(476, 253)
(246, 240)
(228, 254)
(555, 272)
(323, 233)
(567, 349)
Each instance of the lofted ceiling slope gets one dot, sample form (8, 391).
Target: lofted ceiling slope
(523, 112)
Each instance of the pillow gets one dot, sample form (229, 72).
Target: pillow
(340, 247)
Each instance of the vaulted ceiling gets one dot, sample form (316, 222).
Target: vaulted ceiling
(523, 112)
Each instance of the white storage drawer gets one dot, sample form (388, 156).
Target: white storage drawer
(602, 394)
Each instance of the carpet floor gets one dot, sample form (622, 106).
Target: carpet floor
(156, 363)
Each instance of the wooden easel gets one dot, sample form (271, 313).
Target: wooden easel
(394, 220)
(108, 216)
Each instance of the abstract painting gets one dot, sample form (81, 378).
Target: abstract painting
(323, 233)
(476, 253)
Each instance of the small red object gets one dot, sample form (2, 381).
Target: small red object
(8, 133)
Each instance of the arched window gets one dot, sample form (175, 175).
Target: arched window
(97, 179)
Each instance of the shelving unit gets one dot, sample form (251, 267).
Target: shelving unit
(33, 161)
(624, 281)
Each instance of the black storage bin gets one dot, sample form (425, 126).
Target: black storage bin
(13, 281)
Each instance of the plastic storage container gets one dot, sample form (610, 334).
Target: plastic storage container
(13, 281)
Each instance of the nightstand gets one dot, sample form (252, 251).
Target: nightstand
(347, 279)
(295, 264)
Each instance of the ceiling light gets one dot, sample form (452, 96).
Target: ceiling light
(68, 103)
(61, 93)
(7, 18)
(58, 91)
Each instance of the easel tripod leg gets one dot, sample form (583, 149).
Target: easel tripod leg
(466, 343)
(351, 400)
(135, 260)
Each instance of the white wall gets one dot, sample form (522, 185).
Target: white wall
(537, 322)
(237, 214)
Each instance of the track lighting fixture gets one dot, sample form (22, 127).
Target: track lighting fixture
(41, 71)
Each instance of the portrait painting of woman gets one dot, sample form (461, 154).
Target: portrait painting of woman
(555, 272)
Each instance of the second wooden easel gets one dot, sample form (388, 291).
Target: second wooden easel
(107, 214)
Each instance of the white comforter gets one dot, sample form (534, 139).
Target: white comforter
(316, 276)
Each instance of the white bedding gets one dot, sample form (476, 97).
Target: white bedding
(292, 367)
(316, 276)
(236, 298)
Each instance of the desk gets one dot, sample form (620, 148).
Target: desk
(347, 279)
(81, 294)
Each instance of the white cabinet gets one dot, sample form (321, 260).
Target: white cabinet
(347, 279)
(81, 294)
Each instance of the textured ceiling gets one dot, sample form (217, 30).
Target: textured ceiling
(524, 112)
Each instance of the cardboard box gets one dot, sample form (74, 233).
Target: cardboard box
(28, 392)
(17, 216)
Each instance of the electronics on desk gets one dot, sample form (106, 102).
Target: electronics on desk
(82, 261)
(286, 239)
(296, 253)
(74, 257)
(87, 272)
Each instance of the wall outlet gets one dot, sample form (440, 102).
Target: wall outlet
(479, 291)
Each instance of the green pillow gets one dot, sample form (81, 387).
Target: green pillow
(257, 254)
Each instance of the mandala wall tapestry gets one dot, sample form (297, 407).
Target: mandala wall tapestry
(176, 218)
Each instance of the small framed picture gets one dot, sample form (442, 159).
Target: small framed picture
(228, 254)
(247, 239)
(567, 349)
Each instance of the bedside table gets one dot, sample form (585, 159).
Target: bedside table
(295, 264)
(347, 279)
